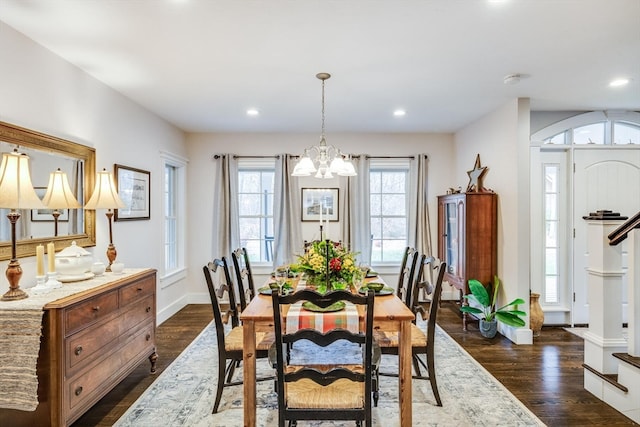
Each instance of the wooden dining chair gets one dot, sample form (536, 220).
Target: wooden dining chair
(331, 391)
(218, 278)
(244, 277)
(421, 343)
(406, 275)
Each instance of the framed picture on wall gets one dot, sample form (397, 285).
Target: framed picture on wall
(320, 204)
(134, 188)
(45, 214)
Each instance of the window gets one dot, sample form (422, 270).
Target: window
(560, 138)
(593, 128)
(552, 227)
(170, 219)
(255, 208)
(389, 184)
(626, 133)
(174, 203)
(589, 134)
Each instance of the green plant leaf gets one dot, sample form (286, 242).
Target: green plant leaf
(468, 309)
(479, 291)
(516, 301)
(509, 319)
(496, 285)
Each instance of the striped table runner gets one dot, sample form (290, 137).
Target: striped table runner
(299, 318)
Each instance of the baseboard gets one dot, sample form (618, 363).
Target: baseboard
(170, 310)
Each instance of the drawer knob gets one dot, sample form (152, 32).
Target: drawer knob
(78, 350)
(148, 309)
(148, 337)
(96, 308)
(78, 391)
(139, 289)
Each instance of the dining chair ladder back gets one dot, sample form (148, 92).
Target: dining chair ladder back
(218, 279)
(332, 391)
(407, 274)
(244, 277)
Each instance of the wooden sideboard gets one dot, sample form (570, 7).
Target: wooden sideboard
(90, 342)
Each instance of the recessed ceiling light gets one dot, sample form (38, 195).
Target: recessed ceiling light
(512, 79)
(252, 112)
(618, 82)
(399, 113)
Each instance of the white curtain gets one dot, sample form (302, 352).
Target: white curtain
(287, 239)
(355, 212)
(76, 216)
(419, 228)
(226, 229)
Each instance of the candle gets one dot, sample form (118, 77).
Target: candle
(39, 260)
(51, 257)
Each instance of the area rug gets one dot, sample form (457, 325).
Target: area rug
(183, 394)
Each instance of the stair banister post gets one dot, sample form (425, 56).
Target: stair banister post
(633, 292)
(604, 282)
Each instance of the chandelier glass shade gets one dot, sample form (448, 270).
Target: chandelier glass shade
(322, 160)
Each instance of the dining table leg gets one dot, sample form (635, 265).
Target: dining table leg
(404, 374)
(249, 372)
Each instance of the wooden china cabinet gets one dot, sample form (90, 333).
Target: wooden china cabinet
(468, 239)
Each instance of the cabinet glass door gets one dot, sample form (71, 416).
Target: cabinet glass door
(451, 238)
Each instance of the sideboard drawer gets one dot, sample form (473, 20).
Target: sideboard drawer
(86, 345)
(90, 311)
(137, 290)
(138, 312)
(86, 387)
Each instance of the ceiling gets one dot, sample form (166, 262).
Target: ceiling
(200, 64)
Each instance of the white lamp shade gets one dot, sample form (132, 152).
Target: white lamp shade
(105, 195)
(16, 190)
(347, 169)
(304, 167)
(59, 194)
(337, 164)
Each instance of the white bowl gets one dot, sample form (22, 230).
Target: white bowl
(97, 268)
(117, 267)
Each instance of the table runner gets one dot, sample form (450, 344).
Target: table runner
(299, 318)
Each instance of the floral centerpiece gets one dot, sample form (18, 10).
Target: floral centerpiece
(327, 258)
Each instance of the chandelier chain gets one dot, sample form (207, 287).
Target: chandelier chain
(322, 141)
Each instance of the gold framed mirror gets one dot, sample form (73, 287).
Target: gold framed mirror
(48, 153)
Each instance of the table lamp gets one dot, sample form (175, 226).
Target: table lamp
(105, 196)
(59, 196)
(16, 192)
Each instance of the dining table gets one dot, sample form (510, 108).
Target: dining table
(389, 314)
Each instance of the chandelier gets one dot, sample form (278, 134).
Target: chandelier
(322, 159)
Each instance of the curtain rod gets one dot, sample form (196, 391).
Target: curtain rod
(277, 156)
(387, 157)
(235, 156)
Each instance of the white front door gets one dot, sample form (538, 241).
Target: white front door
(603, 179)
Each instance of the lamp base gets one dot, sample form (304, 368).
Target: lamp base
(14, 273)
(111, 255)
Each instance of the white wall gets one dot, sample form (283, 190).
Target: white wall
(502, 140)
(40, 91)
(201, 148)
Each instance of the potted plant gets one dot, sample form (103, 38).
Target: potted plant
(487, 313)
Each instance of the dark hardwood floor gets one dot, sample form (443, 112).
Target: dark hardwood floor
(547, 376)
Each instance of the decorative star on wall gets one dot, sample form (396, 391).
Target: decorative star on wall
(476, 176)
